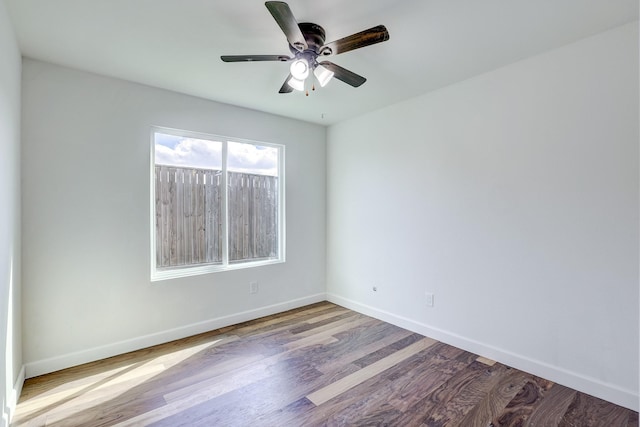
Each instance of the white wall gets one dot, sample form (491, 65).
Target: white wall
(10, 329)
(86, 149)
(513, 197)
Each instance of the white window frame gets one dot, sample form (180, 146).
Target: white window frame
(186, 271)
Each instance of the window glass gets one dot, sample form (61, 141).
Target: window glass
(252, 182)
(217, 204)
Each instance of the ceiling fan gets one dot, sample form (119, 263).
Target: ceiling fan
(307, 43)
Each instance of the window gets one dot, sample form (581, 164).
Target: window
(217, 203)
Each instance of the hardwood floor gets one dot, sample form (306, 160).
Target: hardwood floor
(315, 366)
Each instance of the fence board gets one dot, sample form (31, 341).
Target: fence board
(172, 221)
(189, 216)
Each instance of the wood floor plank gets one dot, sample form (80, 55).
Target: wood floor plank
(589, 411)
(388, 350)
(409, 380)
(329, 392)
(290, 415)
(422, 380)
(524, 403)
(282, 321)
(496, 399)
(377, 413)
(486, 361)
(202, 410)
(231, 379)
(93, 372)
(320, 365)
(335, 327)
(552, 407)
(380, 400)
(359, 352)
(454, 399)
(246, 403)
(321, 321)
(119, 382)
(200, 393)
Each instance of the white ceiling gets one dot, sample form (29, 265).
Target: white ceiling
(176, 44)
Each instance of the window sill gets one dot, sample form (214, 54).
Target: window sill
(176, 273)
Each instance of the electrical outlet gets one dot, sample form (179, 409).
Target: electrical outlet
(429, 296)
(253, 287)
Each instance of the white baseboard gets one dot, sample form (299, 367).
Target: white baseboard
(609, 392)
(40, 367)
(12, 399)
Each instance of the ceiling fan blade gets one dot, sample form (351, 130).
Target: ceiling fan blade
(356, 41)
(287, 22)
(251, 58)
(343, 74)
(285, 86)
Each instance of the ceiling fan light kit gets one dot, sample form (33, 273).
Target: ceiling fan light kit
(323, 75)
(300, 69)
(307, 43)
(297, 84)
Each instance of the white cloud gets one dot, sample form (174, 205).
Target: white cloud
(252, 159)
(199, 153)
(191, 152)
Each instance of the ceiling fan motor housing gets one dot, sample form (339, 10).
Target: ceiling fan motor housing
(314, 35)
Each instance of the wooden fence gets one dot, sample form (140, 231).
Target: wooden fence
(189, 216)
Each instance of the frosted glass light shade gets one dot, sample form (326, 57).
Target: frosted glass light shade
(323, 75)
(296, 84)
(300, 69)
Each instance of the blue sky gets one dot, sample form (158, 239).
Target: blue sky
(193, 152)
